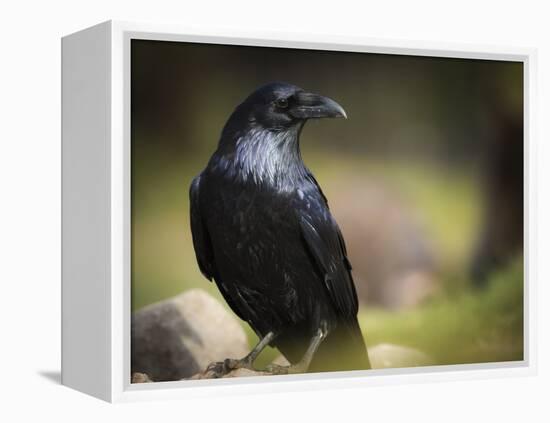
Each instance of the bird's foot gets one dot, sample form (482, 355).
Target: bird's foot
(219, 369)
(293, 369)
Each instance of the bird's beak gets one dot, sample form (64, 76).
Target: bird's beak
(309, 105)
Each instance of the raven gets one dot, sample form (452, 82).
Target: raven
(262, 230)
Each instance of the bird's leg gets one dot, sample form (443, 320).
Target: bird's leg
(303, 365)
(223, 367)
(248, 361)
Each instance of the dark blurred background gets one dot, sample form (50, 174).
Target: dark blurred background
(425, 179)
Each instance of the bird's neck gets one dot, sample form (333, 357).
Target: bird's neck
(264, 157)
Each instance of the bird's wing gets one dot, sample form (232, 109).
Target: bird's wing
(201, 240)
(205, 253)
(325, 244)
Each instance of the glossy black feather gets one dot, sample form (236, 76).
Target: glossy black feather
(201, 240)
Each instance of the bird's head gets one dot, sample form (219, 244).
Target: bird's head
(279, 106)
(260, 141)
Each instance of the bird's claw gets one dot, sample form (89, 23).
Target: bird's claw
(219, 369)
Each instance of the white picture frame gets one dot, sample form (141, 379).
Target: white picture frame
(96, 213)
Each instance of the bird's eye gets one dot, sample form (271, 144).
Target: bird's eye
(282, 103)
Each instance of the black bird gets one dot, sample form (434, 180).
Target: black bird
(262, 230)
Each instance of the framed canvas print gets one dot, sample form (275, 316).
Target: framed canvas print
(265, 212)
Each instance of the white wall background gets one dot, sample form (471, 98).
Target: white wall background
(30, 211)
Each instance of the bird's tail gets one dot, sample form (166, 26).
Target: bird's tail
(342, 350)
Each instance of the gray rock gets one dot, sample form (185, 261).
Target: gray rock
(387, 356)
(234, 373)
(382, 356)
(281, 360)
(141, 378)
(179, 337)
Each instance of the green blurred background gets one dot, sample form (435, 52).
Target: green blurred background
(425, 179)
